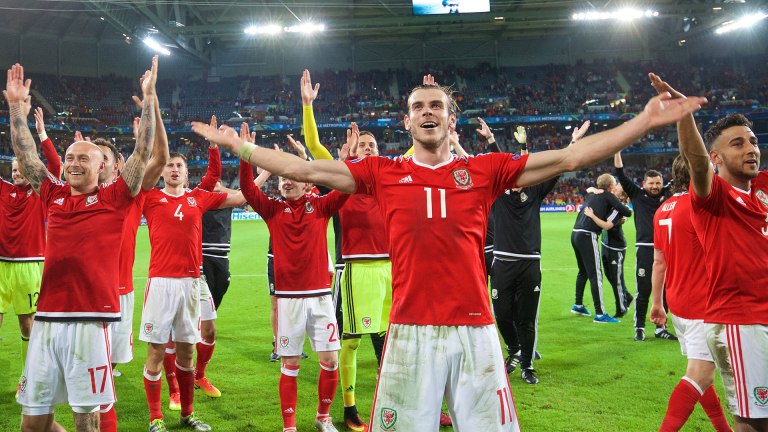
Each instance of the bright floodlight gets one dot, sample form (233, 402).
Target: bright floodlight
(271, 29)
(743, 22)
(305, 28)
(626, 14)
(156, 46)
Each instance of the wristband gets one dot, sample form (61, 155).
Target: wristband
(491, 139)
(245, 151)
(43, 136)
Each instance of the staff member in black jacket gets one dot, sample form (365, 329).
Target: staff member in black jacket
(614, 250)
(516, 280)
(597, 210)
(645, 201)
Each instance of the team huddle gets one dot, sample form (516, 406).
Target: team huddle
(82, 218)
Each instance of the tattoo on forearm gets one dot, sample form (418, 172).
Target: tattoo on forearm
(133, 174)
(25, 149)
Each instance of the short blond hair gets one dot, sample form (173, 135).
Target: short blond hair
(605, 181)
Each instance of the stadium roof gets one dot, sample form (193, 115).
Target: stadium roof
(196, 27)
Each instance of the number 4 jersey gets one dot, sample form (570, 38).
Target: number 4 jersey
(436, 218)
(175, 231)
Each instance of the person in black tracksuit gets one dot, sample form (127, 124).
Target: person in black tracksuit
(217, 234)
(645, 201)
(584, 239)
(614, 249)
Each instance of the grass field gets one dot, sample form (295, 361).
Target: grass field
(593, 377)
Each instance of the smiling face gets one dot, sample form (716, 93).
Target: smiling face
(653, 185)
(83, 162)
(16, 175)
(736, 152)
(430, 117)
(291, 189)
(366, 145)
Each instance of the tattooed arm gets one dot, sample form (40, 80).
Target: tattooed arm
(17, 94)
(136, 166)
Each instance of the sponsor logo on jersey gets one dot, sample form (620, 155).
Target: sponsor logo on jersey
(366, 322)
(388, 418)
(163, 200)
(761, 396)
(148, 328)
(494, 294)
(537, 289)
(284, 341)
(523, 197)
(762, 196)
(462, 178)
(191, 201)
(59, 201)
(641, 272)
(286, 210)
(29, 192)
(13, 194)
(93, 199)
(406, 179)
(308, 207)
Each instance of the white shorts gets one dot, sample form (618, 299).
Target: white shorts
(170, 304)
(67, 362)
(121, 332)
(306, 316)
(463, 363)
(207, 308)
(741, 354)
(692, 335)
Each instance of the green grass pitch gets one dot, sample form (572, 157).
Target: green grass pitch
(593, 377)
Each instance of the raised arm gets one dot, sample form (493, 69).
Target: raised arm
(52, 159)
(213, 170)
(691, 144)
(588, 151)
(453, 136)
(485, 132)
(331, 173)
(17, 95)
(311, 136)
(160, 151)
(136, 166)
(522, 138)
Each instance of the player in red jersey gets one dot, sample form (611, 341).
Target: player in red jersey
(297, 226)
(723, 206)
(172, 297)
(675, 248)
(423, 198)
(77, 300)
(24, 221)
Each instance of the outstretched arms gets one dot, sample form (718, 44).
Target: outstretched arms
(136, 166)
(660, 111)
(17, 94)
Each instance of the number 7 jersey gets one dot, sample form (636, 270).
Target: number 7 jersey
(175, 231)
(436, 218)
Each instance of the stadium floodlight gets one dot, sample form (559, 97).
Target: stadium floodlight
(626, 14)
(306, 28)
(743, 22)
(269, 29)
(148, 41)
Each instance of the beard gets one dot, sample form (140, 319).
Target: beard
(430, 142)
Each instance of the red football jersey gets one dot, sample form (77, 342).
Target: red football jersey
(128, 246)
(363, 235)
(175, 230)
(732, 226)
(436, 218)
(22, 223)
(760, 187)
(686, 284)
(81, 268)
(298, 230)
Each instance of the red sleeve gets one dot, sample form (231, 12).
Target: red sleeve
(506, 169)
(50, 189)
(363, 172)
(255, 197)
(116, 194)
(213, 172)
(209, 200)
(330, 203)
(716, 195)
(51, 157)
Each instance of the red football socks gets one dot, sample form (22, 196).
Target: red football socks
(711, 404)
(204, 354)
(186, 378)
(681, 403)
(326, 388)
(152, 386)
(288, 394)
